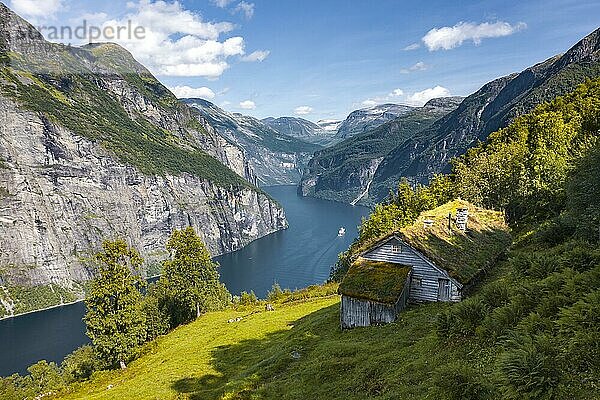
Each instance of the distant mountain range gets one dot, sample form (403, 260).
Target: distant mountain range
(276, 158)
(343, 172)
(365, 119)
(422, 153)
(303, 129)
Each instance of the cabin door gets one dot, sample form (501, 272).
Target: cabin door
(443, 289)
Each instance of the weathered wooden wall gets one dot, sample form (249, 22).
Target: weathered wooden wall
(422, 269)
(359, 312)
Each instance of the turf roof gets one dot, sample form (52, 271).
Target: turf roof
(462, 253)
(374, 280)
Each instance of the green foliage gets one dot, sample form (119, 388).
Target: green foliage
(189, 285)
(248, 299)
(583, 206)
(157, 319)
(45, 377)
(88, 110)
(524, 167)
(276, 294)
(528, 368)
(115, 321)
(39, 297)
(459, 381)
(80, 364)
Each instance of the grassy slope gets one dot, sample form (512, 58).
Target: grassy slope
(211, 359)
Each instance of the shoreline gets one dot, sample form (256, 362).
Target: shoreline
(55, 306)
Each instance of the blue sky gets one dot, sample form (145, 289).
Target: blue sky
(323, 59)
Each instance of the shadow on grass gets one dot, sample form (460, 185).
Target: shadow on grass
(241, 367)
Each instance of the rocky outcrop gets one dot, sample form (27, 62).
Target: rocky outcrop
(492, 107)
(93, 147)
(345, 172)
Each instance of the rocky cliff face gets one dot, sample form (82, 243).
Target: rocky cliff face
(345, 171)
(93, 147)
(492, 107)
(276, 158)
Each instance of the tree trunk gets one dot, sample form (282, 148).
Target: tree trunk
(123, 365)
(197, 310)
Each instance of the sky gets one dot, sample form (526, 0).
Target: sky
(322, 59)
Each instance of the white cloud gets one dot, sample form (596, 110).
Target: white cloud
(369, 103)
(176, 41)
(420, 66)
(422, 97)
(248, 105)
(221, 3)
(246, 9)
(303, 110)
(259, 55)
(449, 37)
(186, 92)
(36, 8)
(413, 46)
(396, 93)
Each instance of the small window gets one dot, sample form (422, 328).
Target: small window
(396, 248)
(417, 282)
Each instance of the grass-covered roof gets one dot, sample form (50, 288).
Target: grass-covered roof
(374, 280)
(462, 254)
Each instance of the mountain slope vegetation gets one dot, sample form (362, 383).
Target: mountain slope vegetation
(529, 330)
(492, 107)
(343, 172)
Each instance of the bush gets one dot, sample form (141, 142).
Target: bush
(528, 368)
(80, 364)
(462, 319)
(157, 321)
(459, 381)
(495, 294)
(248, 299)
(275, 294)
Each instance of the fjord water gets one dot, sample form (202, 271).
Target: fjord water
(300, 256)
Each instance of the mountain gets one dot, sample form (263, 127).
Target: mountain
(275, 157)
(492, 107)
(302, 129)
(363, 120)
(345, 171)
(92, 147)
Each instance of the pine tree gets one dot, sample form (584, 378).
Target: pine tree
(115, 321)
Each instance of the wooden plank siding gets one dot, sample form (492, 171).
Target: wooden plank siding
(423, 270)
(359, 312)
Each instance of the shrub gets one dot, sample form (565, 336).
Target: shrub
(528, 368)
(459, 381)
(495, 295)
(157, 320)
(462, 319)
(80, 364)
(275, 294)
(248, 299)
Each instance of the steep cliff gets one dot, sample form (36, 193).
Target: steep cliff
(275, 157)
(344, 172)
(492, 107)
(92, 147)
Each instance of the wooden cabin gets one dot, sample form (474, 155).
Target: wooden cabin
(435, 259)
